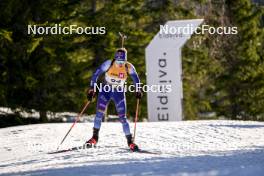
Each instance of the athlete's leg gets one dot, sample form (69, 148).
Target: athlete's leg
(120, 104)
(102, 102)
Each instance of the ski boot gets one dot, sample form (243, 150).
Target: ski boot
(133, 147)
(93, 141)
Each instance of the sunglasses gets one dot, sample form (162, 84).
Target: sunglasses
(119, 62)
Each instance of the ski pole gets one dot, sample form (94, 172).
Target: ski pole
(136, 119)
(76, 119)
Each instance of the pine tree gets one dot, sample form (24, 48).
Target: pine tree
(242, 79)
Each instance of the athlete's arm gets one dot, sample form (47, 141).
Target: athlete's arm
(133, 74)
(99, 71)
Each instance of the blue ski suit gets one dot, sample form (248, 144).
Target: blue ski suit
(114, 75)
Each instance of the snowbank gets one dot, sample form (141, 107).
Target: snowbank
(188, 148)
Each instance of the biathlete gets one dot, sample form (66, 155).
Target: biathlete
(115, 73)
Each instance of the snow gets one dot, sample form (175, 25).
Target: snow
(65, 116)
(187, 148)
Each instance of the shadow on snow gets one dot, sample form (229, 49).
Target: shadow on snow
(241, 163)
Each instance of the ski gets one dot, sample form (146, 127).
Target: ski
(143, 151)
(73, 149)
(89, 146)
(148, 152)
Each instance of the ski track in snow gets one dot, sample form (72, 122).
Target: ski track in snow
(188, 148)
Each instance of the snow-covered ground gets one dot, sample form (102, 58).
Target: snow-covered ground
(188, 148)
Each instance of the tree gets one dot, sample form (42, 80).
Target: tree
(242, 79)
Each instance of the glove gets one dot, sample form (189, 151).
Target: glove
(90, 94)
(139, 95)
